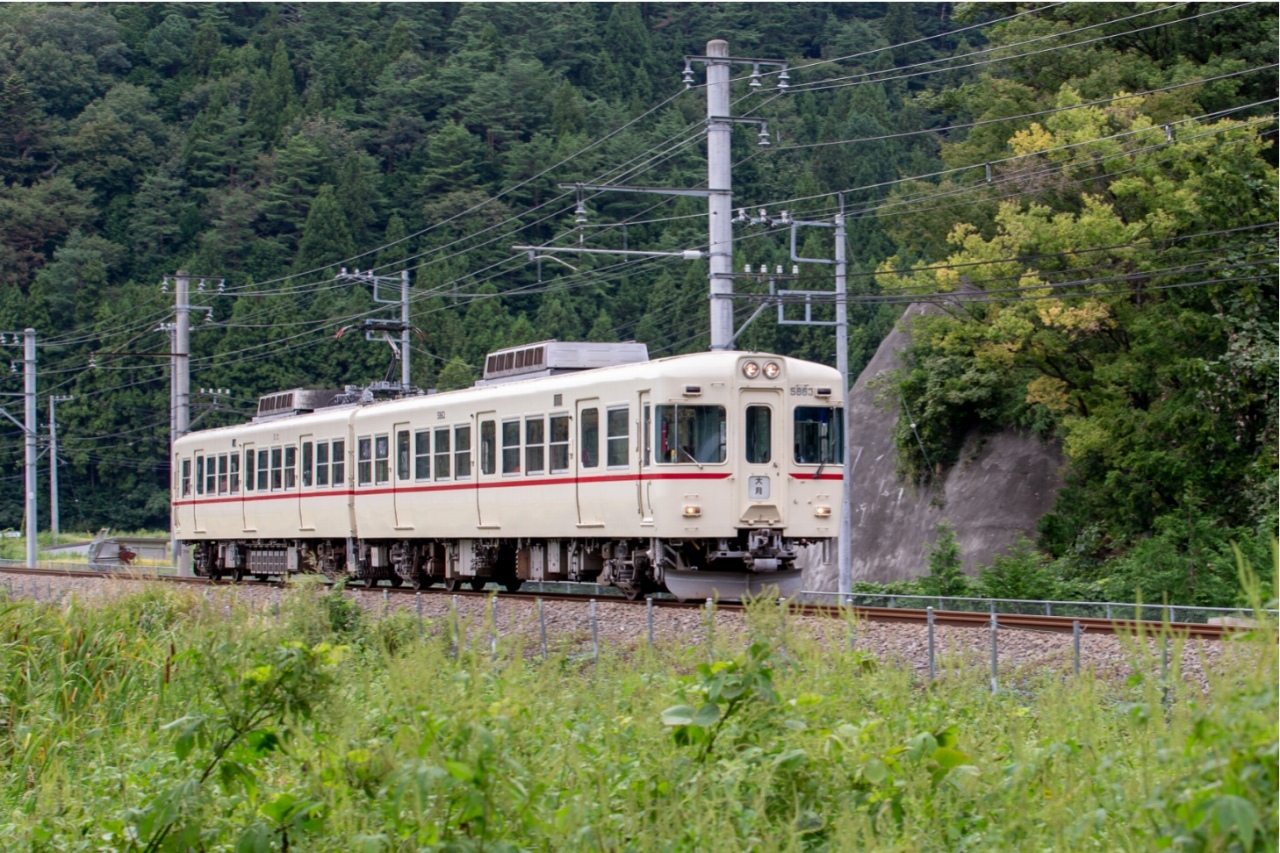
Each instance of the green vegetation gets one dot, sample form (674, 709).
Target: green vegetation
(167, 721)
(254, 142)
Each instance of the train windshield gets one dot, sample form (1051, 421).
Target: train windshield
(690, 434)
(819, 435)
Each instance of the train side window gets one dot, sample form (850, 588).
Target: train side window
(277, 469)
(589, 449)
(690, 434)
(488, 447)
(559, 444)
(339, 463)
(819, 435)
(211, 476)
(616, 435)
(534, 445)
(248, 470)
(364, 461)
(263, 471)
(322, 463)
(442, 454)
(402, 454)
(422, 455)
(308, 459)
(199, 475)
(461, 452)
(759, 434)
(381, 459)
(647, 432)
(235, 473)
(511, 447)
(222, 474)
(186, 477)
(290, 466)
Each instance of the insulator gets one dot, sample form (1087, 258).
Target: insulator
(795, 269)
(779, 269)
(764, 216)
(688, 75)
(3, 340)
(164, 286)
(784, 80)
(222, 285)
(742, 215)
(580, 214)
(785, 220)
(764, 135)
(1168, 133)
(755, 77)
(200, 286)
(746, 268)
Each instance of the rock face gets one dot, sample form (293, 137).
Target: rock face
(1002, 485)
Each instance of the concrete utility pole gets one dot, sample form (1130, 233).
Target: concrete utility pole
(720, 199)
(404, 333)
(181, 357)
(29, 382)
(54, 399)
(844, 552)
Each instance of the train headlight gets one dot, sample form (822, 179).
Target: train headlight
(750, 369)
(822, 511)
(692, 511)
(771, 370)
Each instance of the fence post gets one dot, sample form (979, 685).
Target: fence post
(542, 626)
(417, 600)
(995, 660)
(595, 634)
(493, 637)
(711, 630)
(648, 614)
(386, 602)
(457, 629)
(1048, 609)
(1164, 670)
(1075, 643)
(929, 615)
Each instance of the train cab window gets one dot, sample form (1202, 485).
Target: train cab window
(535, 437)
(616, 435)
(199, 475)
(308, 459)
(442, 453)
(402, 454)
(461, 452)
(223, 481)
(690, 434)
(263, 471)
(759, 434)
(381, 459)
(488, 447)
(364, 461)
(511, 447)
(422, 455)
(559, 444)
(589, 449)
(339, 459)
(211, 476)
(235, 473)
(186, 477)
(277, 469)
(819, 435)
(322, 463)
(290, 467)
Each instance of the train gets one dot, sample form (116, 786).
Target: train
(701, 475)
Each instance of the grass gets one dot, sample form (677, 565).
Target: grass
(165, 720)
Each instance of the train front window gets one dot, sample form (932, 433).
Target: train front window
(616, 435)
(759, 434)
(819, 435)
(690, 434)
(559, 444)
(589, 447)
(511, 447)
(364, 460)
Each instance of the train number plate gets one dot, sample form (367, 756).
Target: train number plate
(758, 488)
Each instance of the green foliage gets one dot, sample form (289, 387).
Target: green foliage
(946, 565)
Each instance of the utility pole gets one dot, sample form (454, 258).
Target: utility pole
(404, 332)
(181, 358)
(29, 390)
(374, 326)
(720, 199)
(54, 399)
(844, 551)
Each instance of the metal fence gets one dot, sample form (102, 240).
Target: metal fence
(1026, 607)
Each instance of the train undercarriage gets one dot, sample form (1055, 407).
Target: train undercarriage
(752, 563)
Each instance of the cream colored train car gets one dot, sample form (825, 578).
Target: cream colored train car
(700, 474)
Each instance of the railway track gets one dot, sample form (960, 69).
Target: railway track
(958, 619)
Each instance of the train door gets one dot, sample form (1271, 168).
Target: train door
(762, 489)
(306, 482)
(248, 510)
(402, 437)
(644, 452)
(204, 476)
(588, 467)
(488, 478)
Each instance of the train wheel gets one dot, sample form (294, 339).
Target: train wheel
(237, 576)
(453, 584)
(396, 580)
(631, 593)
(512, 584)
(478, 583)
(214, 577)
(369, 582)
(423, 581)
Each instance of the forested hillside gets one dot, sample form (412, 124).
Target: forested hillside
(1102, 173)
